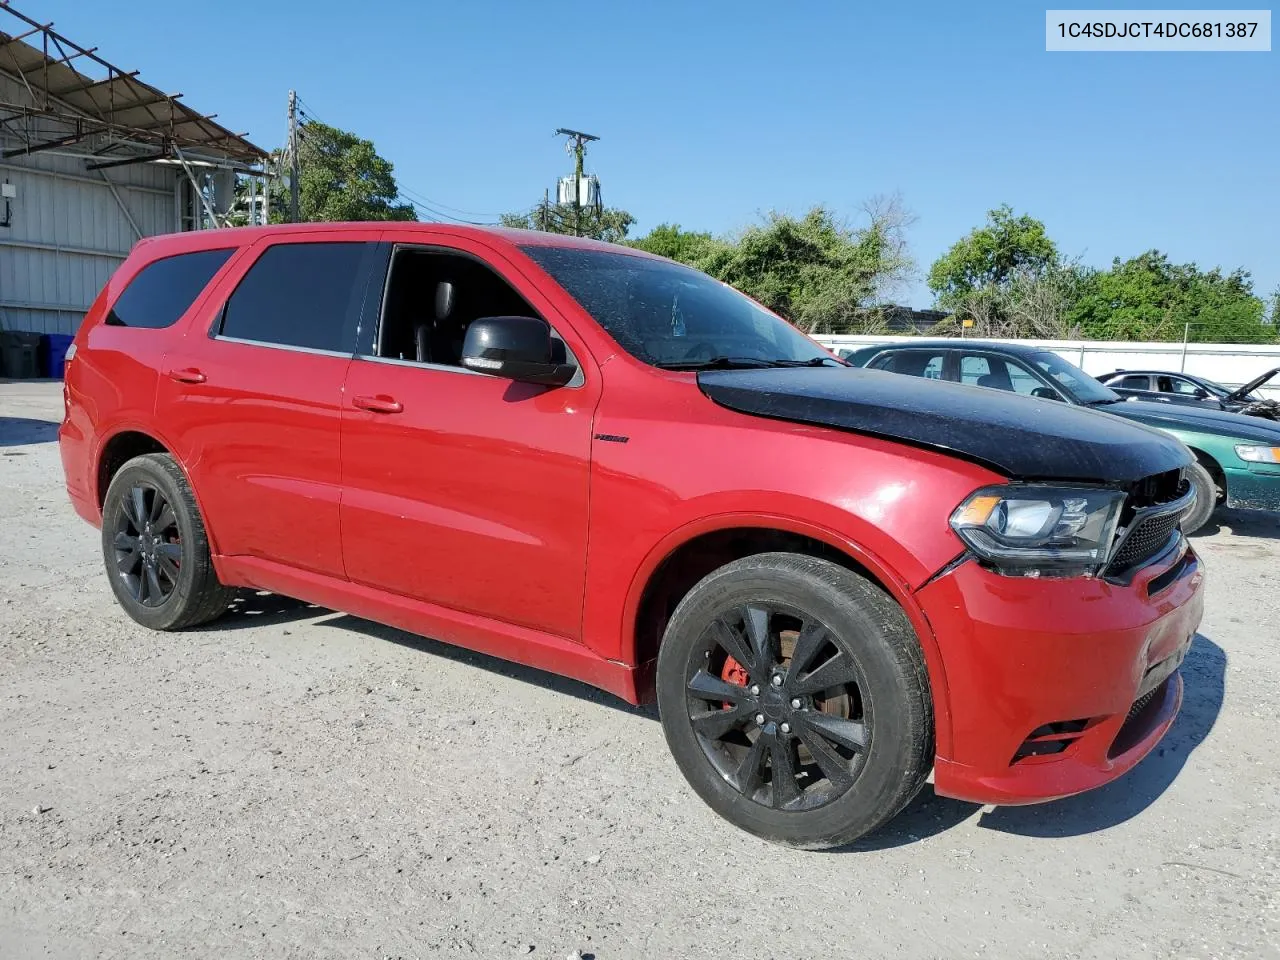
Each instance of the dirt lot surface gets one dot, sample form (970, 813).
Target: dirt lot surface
(293, 782)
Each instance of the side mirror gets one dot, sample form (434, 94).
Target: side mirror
(1201, 393)
(1044, 393)
(518, 348)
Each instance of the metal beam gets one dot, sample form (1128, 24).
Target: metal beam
(76, 178)
(58, 248)
(47, 145)
(120, 203)
(128, 161)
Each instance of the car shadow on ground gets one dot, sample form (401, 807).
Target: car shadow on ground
(516, 671)
(1203, 672)
(19, 431)
(1256, 524)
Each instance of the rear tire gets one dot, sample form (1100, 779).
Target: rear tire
(794, 698)
(1206, 498)
(155, 547)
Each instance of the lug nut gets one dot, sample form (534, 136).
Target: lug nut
(785, 728)
(755, 689)
(760, 718)
(777, 680)
(795, 704)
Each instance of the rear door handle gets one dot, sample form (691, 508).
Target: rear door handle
(379, 404)
(188, 375)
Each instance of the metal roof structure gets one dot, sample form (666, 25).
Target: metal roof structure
(121, 118)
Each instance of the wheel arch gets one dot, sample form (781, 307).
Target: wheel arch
(130, 440)
(684, 557)
(1210, 463)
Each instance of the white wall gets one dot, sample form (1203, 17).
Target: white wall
(1231, 364)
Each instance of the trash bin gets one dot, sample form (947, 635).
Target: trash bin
(53, 354)
(19, 354)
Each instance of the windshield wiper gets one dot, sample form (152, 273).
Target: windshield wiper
(715, 363)
(729, 363)
(812, 362)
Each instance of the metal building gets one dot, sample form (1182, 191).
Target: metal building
(91, 160)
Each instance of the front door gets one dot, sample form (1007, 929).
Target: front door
(462, 489)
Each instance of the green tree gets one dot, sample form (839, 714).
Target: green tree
(1149, 298)
(341, 177)
(818, 271)
(674, 243)
(607, 224)
(991, 256)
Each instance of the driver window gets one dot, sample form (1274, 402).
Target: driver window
(432, 298)
(1185, 387)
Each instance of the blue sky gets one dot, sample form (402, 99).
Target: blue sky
(711, 113)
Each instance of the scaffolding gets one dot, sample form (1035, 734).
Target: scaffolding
(116, 120)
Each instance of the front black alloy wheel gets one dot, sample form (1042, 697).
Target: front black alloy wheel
(795, 701)
(777, 707)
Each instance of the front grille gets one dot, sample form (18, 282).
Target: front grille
(1144, 528)
(1144, 541)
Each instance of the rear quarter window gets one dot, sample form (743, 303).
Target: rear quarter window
(165, 289)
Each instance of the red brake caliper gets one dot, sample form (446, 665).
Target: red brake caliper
(735, 673)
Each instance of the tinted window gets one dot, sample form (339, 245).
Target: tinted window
(299, 295)
(163, 291)
(669, 314)
(1131, 383)
(914, 363)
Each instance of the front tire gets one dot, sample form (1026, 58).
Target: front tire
(1206, 498)
(794, 698)
(156, 549)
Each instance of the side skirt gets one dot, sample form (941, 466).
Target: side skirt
(533, 648)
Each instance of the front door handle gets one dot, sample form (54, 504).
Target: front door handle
(188, 375)
(379, 404)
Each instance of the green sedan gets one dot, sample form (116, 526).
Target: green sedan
(1239, 456)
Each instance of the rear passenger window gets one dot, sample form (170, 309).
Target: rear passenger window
(1132, 383)
(299, 295)
(164, 290)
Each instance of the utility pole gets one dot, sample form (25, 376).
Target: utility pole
(580, 141)
(294, 214)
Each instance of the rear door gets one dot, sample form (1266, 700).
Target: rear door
(253, 395)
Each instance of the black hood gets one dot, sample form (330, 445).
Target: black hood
(1203, 419)
(1251, 386)
(1024, 438)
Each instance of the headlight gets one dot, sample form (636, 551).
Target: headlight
(1258, 454)
(1031, 528)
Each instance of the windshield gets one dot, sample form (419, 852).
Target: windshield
(671, 315)
(1074, 380)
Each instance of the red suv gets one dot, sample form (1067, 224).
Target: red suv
(613, 467)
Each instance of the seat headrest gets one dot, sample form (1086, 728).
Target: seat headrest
(444, 299)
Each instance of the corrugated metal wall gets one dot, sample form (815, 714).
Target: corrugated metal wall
(67, 231)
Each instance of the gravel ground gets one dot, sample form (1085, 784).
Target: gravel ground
(294, 782)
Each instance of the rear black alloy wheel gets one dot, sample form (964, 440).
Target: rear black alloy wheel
(777, 707)
(794, 698)
(148, 546)
(155, 547)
